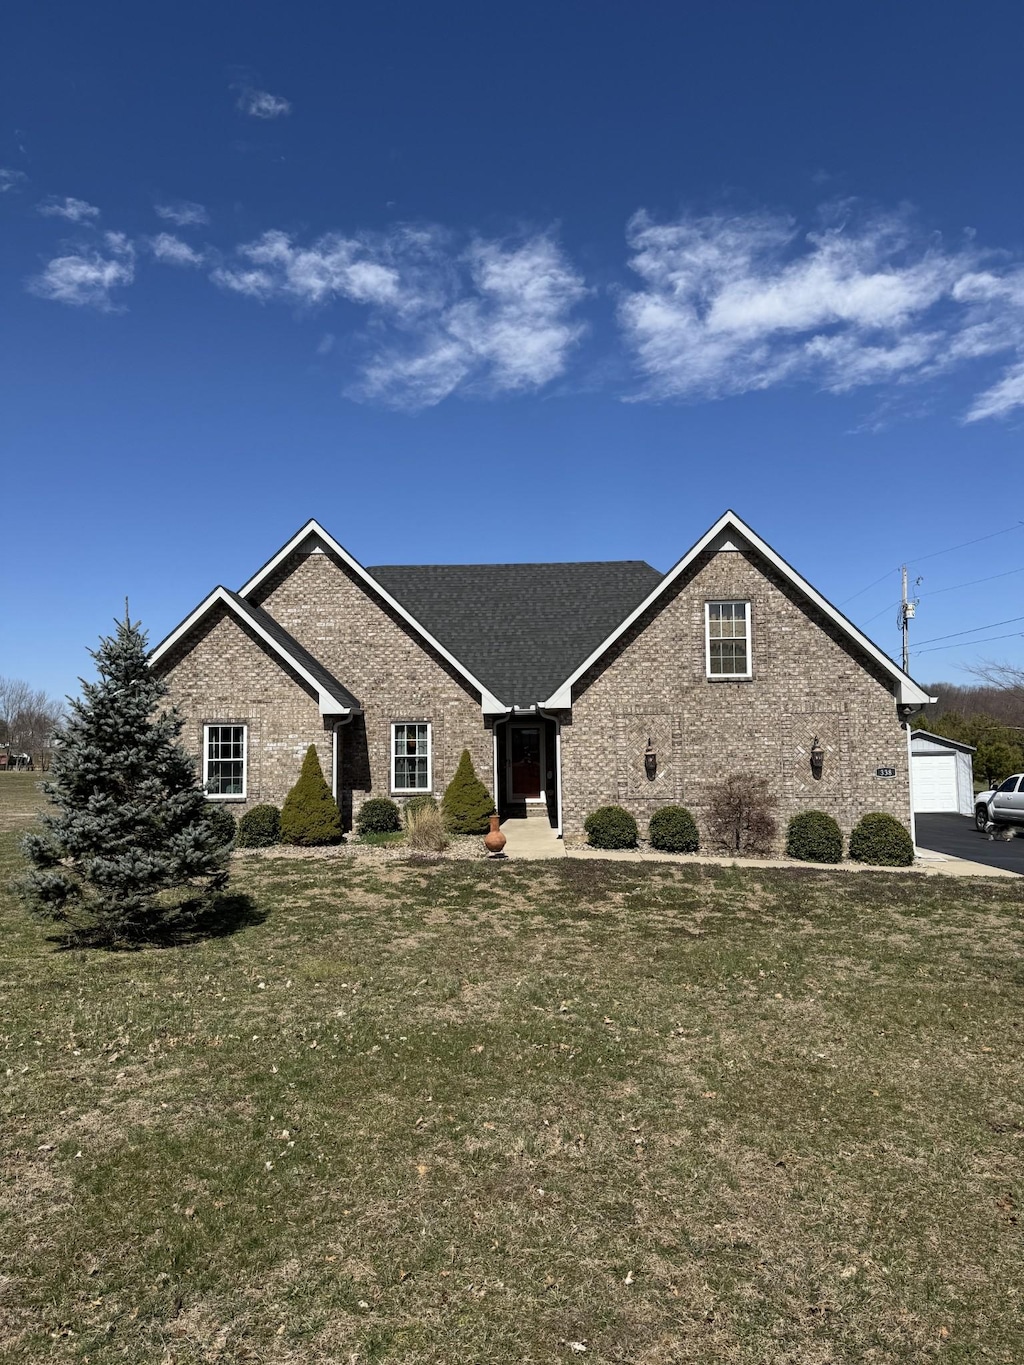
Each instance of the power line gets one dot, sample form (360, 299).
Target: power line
(1012, 635)
(890, 607)
(973, 630)
(933, 555)
(934, 592)
(964, 544)
(869, 587)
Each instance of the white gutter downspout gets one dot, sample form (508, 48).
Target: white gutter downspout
(558, 768)
(910, 783)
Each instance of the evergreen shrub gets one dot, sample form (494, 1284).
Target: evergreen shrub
(881, 839)
(129, 820)
(310, 815)
(467, 804)
(259, 828)
(673, 830)
(225, 828)
(610, 827)
(814, 837)
(379, 815)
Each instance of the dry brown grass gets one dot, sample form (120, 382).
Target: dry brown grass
(436, 1112)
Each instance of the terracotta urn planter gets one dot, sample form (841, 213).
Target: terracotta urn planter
(494, 840)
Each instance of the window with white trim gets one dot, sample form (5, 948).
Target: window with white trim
(410, 756)
(225, 757)
(728, 639)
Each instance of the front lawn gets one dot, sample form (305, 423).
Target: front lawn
(537, 1112)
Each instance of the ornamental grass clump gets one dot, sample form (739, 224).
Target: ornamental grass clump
(259, 827)
(310, 815)
(814, 837)
(379, 815)
(673, 830)
(611, 827)
(467, 804)
(131, 844)
(425, 829)
(881, 839)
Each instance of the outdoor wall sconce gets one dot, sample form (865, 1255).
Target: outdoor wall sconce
(650, 760)
(817, 758)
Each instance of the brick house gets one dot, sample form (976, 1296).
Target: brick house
(571, 685)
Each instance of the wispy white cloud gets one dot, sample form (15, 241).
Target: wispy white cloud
(87, 278)
(11, 180)
(182, 213)
(74, 210)
(493, 316)
(172, 250)
(729, 304)
(262, 104)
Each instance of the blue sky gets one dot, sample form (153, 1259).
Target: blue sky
(478, 283)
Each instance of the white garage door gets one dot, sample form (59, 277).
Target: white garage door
(935, 782)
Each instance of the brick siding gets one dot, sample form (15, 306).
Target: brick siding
(807, 680)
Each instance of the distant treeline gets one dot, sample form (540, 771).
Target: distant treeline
(990, 718)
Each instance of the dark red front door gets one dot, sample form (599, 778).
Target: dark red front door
(524, 748)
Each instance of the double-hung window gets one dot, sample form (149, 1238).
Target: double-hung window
(410, 757)
(728, 639)
(224, 761)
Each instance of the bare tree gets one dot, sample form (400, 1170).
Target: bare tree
(14, 698)
(28, 720)
(1007, 678)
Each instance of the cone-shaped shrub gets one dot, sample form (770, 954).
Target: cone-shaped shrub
(673, 830)
(310, 814)
(467, 803)
(814, 837)
(128, 819)
(379, 815)
(259, 828)
(610, 827)
(882, 840)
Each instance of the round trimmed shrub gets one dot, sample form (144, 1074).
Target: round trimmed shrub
(379, 815)
(259, 828)
(882, 840)
(673, 830)
(814, 837)
(415, 804)
(610, 827)
(223, 823)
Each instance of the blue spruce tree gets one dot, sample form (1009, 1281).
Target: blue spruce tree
(131, 825)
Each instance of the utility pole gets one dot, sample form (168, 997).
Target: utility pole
(908, 610)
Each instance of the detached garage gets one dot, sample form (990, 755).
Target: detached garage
(942, 774)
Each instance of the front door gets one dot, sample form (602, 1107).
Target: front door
(526, 753)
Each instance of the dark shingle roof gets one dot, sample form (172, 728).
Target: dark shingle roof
(291, 646)
(521, 629)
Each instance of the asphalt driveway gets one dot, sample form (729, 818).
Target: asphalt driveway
(956, 835)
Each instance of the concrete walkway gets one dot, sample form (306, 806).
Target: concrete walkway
(529, 840)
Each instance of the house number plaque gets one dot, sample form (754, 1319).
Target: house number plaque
(885, 772)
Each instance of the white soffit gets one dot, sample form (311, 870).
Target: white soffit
(730, 532)
(313, 539)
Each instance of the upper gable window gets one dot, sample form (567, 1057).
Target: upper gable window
(410, 757)
(727, 632)
(225, 760)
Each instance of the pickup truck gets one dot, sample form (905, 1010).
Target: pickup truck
(1002, 806)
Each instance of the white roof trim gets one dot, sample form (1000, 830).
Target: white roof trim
(944, 741)
(908, 692)
(329, 705)
(490, 705)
